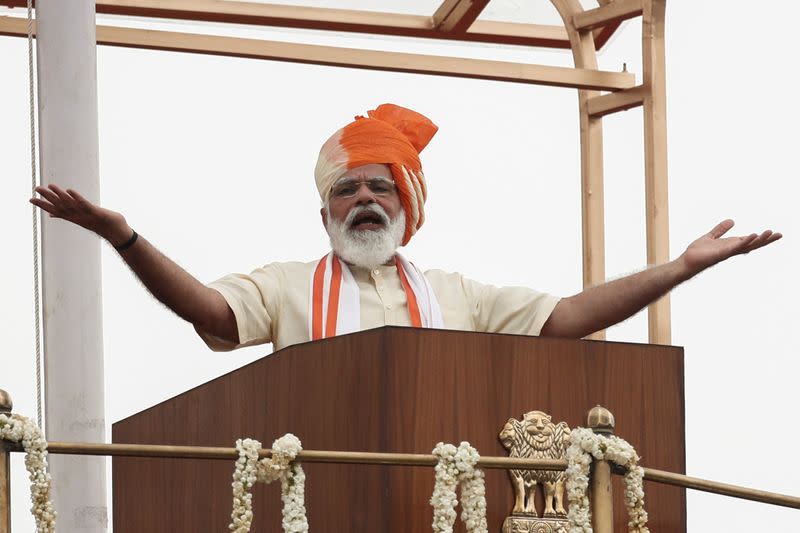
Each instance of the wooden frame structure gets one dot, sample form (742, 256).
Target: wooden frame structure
(584, 32)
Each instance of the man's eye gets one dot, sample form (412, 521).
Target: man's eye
(380, 187)
(345, 190)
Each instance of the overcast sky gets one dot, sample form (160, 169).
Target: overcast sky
(212, 158)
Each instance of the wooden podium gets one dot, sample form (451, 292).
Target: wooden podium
(396, 390)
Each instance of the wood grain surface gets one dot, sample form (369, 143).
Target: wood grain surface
(396, 390)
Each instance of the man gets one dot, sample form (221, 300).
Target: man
(373, 192)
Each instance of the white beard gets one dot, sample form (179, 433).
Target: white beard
(366, 248)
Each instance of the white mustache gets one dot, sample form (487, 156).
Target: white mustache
(371, 208)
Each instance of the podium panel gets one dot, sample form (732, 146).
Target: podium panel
(399, 390)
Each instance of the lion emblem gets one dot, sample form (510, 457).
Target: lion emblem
(536, 437)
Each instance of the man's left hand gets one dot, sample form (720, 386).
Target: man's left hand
(712, 248)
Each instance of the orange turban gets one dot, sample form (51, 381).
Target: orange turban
(390, 135)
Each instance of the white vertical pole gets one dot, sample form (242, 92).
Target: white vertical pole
(72, 312)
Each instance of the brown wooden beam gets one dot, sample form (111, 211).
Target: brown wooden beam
(457, 16)
(613, 102)
(613, 12)
(344, 20)
(655, 159)
(548, 36)
(591, 137)
(602, 35)
(348, 57)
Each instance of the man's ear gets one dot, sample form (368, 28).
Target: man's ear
(324, 214)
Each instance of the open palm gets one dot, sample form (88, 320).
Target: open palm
(71, 206)
(712, 248)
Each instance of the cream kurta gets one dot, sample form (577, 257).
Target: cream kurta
(271, 304)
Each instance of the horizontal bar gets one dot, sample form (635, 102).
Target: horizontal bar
(679, 480)
(613, 102)
(611, 13)
(402, 459)
(495, 31)
(346, 20)
(349, 57)
(306, 456)
(330, 19)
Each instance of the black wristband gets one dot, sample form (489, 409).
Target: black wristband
(128, 243)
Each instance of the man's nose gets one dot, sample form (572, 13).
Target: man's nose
(364, 195)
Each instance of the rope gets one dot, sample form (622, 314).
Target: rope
(35, 220)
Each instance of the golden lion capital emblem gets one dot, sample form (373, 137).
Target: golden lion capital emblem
(535, 437)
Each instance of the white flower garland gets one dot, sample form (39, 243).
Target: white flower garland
(585, 445)
(457, 465)
(244, 477)
(17, 428)
(279, 466)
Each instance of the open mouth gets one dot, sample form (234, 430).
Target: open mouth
(367, 220)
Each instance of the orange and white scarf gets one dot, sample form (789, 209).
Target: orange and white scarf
(334, 306)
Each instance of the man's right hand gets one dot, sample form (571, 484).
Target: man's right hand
(166, 280)
(72, 207)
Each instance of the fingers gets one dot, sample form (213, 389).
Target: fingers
(53, 194)
(741, 245)
(754, 241)
(61, 198)
(49, 201)
(67, 204)
(761, 239)
(721, 229)
(45, 206)
(768, 237)
(66, 199)
(744, 244)
(48, 195)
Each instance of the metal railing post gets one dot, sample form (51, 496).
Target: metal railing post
(5, 470)
(5, 489)
(600, 420)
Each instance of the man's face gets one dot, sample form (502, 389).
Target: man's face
(339, 207)
(364, 217)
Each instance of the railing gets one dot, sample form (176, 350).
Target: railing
(600, 496)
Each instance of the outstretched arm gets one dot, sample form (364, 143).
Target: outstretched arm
(167, 281)
(602, 306)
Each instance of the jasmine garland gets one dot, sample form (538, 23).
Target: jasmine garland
(17, 428)
(585, 445)
(457, 466)
(279, 466)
